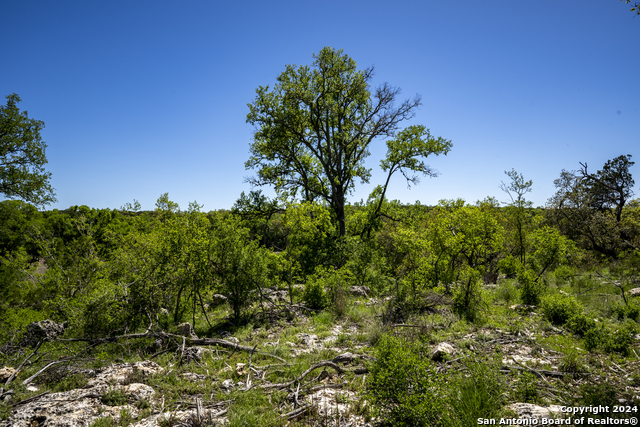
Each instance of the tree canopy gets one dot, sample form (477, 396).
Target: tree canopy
(22, 156)
(315, 127)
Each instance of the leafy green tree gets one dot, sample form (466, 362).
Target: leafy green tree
(239, 266)
(590, 208)
(315, 127)
(518, 210)
(610, 188)
(22, 156)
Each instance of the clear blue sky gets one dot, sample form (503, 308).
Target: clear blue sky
(141, 97)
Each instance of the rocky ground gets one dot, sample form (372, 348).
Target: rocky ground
(302, 369)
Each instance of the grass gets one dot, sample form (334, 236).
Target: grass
(469, 380)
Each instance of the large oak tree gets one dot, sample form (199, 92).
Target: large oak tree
(313, 131)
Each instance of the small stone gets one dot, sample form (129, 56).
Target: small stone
(635, 292)
(441, 351)
(45, 330)
(240, 369)
(360, 291)
(227, 384)
(5, 373)
(186, 330)
(217, 300)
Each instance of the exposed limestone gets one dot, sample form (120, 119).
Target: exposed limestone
(531, 411)
(81, 407)
(45, 330)
(186, 330)
(5, 373)
(360, 291)
(441, 351)
(217, 300)
(635, 292)
(193, 377)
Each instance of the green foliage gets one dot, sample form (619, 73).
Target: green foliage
(518, 212)
(580, 324)
(67, 382)
(114, 397)
(22, 156)
(550, 249)
(531, 287)
(468, 296)
(507, 292)
(5, 410)
(477, 394)
(367, 265)
(631, 310)
(403, 385)
(314, 294)
(238, 265)
(104, 422)
(589, 208)
(603, 394)
(253, 408)
(527, 389)
(310, 237)
(313, 131)
(610, 340)
(558, 308)
(509, 265)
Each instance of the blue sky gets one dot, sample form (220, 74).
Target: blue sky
(147, 97)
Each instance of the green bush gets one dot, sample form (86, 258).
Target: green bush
(467, 296)
(611, 341)
(531, 289)
(580, 324)
(630, 311)
(620, 340)
(509, 266)
(403, 387)
(593, 338)
(507, 292)
(314, 295)
(558, 309)
(477, 394)
(114, 397)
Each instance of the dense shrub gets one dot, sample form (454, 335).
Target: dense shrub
(611, 341)
(509, 266)
(580, 324)
(403, 386)
(531, 289)
(314, 295)
(467, 296)
(558, 309)
(630, 310)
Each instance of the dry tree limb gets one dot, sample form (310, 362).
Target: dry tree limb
(32, 398)
(233, 346)
(305, 373)
(543, 372)
(184, 340)
(296, 412)
(22, 364)
(34, 376)
(616, 284)
(538, 374)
